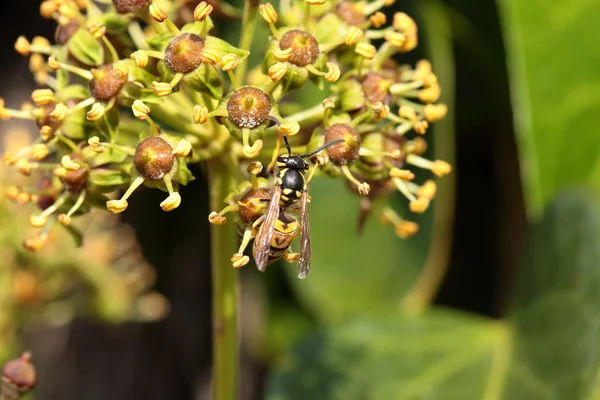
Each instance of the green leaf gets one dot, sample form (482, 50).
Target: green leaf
(355, 274)
(72, 92)
(86, 48)
(222, 48)
(105, 180)
(557, 306)
(553, 57)
(546, 349)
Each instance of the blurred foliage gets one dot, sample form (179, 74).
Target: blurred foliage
(553, 61)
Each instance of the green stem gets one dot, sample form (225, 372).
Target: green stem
(248, 27)
(225, 289)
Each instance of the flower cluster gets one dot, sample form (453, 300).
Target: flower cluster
(132, 93)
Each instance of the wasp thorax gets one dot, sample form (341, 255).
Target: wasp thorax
(305, 47)
(376, 88)
(350, 13)
(64, 32)
(153, 158)
(343, 153)
(248, 107)
(183, 54)
(75, 181)
(127, 6)
(107, 82)
(252, 205)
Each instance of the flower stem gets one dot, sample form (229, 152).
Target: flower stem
(225, 289)
(248, 28)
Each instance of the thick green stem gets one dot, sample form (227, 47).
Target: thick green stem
(248, 28)
(225, 288)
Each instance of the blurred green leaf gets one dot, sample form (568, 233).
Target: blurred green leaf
(553, 58)
(547, 349)
(355, 274)
(86, 48)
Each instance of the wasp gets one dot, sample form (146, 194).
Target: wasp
(278, 229)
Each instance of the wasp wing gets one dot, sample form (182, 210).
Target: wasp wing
(266, 231)
(305, 248)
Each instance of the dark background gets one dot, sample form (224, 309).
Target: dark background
(171, 359)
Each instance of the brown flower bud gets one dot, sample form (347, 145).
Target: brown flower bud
(75, 181)
(376, 88)
(64, 32)
(349, 12)
(153, 158)
(305, 48)
(107, 82)
(343, 153)
(183, 54)
(250, 208)
(248, 107)
(127, 6)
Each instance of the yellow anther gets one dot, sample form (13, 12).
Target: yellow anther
(46, 132)
(38, 221)
(255, 168)
(12, 192)
(39, 151)
(98, 30)
(430, 94)
(238, 260)
(22, 46)
(395, 39)
(141, 110)
(35, 244)
(328, 103)
(277, 71)
(254, 150)
(354, 33)
(406, 229)
(40, 41)
(282, 55)
(59, 172)
(268, 13)
(53, 64)
(157, 13)
(60, 112)
(95, 113)
(116, 206)
(428, 190)
(441, 168)
(402, 22)
(333, 72)
(94, 143)
(171, 202)
(403, 174)
(422, 69)
(420, 127)
(200, 114)
(23, 166)
(408, 112)
(314, 2)
(417, 146)
(365, 50)
(216, 218)
(121, 69)
(36, 63)
(289, 128)
(364, 188)
(229, 62)
(435, 112)
(64, 219)
(48, 8)
(208, 55)
(183, 148)
(162, 88)
(67, 163)
(419, 205)
(140, 58)
(24, 198)
(378, 19)
(66, 11)
(4, 114)
(42, 96)
(380, 109)
(202, 10)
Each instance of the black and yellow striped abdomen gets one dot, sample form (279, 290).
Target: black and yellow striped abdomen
(286, 229)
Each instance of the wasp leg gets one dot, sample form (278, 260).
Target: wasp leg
(290, 256)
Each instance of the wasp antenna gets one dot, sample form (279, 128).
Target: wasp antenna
(326, 145)
(287, 145)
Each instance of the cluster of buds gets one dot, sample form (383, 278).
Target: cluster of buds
(134, 93)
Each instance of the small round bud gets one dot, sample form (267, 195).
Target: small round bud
(107, 82)
(127, 6)
(268, 13)
(216, 218)
(171, 202)
(202, 10)
(305, 48)
(248, 107)
(343, 153)
(38, 221)
(238, 260)
(350, 12)
(20, 373)
(183, 53)
(47, 8)
(22, 46)
(153, 158)
(116, 206)
(200, 114)
(253, 205)
(75, 181)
